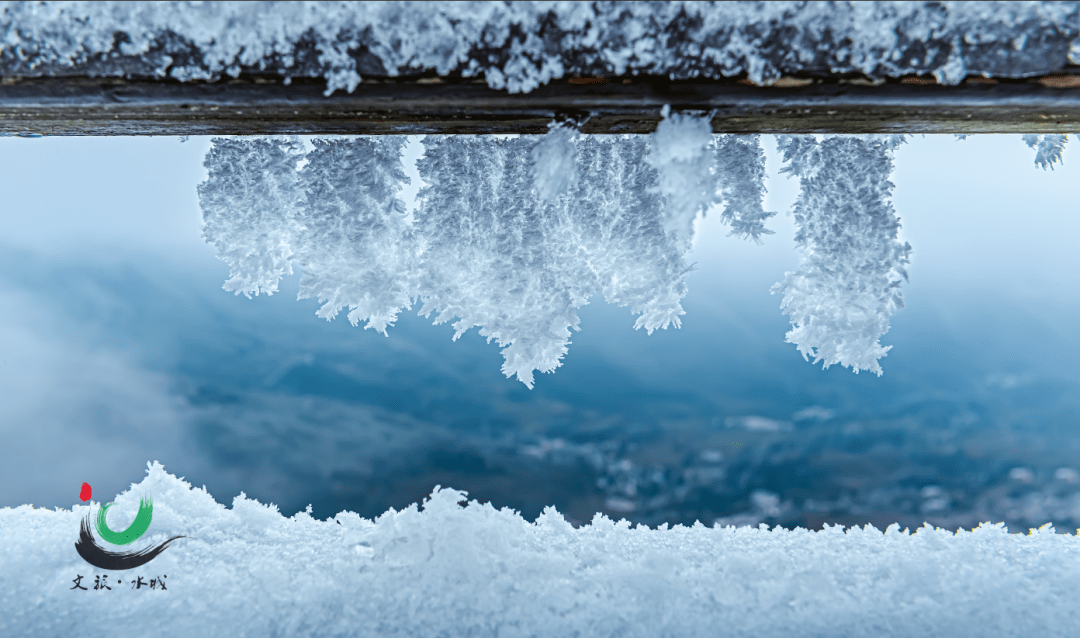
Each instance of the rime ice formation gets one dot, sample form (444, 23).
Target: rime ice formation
(448, 568)
(514, 235)
(497, 257)
(679, 151)
(355, 247)
(1048, 149)
(740, 171)
(554, 161)
(699, 170)
(521, 45)
(249, 210)
(482, 249)
(841, 298)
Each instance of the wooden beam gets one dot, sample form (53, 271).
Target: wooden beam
(266, 105)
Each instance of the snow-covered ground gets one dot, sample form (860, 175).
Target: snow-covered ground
(450, 569)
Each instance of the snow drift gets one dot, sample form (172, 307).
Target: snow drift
(445, 568)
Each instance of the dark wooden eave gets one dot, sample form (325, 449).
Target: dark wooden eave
(257, 105)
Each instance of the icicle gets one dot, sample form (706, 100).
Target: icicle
(249, 204)
(740, 170)
(554, 165)
(847, 288)
(356, 249)
(680, 152)
(1048, 149)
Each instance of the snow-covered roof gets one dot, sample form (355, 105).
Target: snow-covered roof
(521, 45)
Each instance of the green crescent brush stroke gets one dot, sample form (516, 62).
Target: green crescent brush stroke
(137, 528)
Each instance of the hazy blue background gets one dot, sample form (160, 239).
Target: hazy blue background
(119, 347)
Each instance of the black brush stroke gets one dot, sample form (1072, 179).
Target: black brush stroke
(98, 556)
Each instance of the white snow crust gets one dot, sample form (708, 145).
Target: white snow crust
(519, 46)
(451, 569)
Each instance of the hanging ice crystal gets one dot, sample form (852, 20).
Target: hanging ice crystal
(355, 248)
(680, 153)
(1048, 149)
(249, 207)
(518, 268)
(487, 259)
(554, 165)
(481, 250)
(740, 169)
(847, 288)
(622, 244)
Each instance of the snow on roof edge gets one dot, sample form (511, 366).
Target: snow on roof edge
(519, 46)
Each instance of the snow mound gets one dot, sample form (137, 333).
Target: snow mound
(448, 568)
(519, 46)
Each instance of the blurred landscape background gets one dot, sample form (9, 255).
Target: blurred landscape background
(120, 347)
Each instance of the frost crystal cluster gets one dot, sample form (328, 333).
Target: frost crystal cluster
(554, 162)
(842, 297)
(740, 168)
(521, 45)
(680, 153)
(1048, 149)
(456, 568)
(249, 210)
(511, 235)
